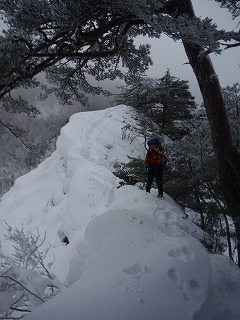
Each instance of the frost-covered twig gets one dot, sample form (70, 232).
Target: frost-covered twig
(25, 281)
(27, 248)
(20, 284)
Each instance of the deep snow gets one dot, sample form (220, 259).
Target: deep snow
(130, 255)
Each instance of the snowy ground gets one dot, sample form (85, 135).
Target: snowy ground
(130, 255)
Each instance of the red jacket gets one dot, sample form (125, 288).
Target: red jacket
(155, 156)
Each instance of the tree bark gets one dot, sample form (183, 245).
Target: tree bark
(227, 155)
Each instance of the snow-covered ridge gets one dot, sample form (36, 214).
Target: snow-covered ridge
(130, 255)
(76, 182)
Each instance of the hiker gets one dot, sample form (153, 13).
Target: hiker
(155, 163)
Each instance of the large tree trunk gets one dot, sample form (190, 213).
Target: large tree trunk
(226, 153)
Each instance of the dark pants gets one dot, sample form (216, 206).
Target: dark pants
(155, 171)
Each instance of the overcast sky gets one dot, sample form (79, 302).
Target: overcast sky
(169, 54)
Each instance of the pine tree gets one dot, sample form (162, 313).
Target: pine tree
(176, 105)
(167, 101)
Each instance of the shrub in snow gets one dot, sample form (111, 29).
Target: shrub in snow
(25, 281)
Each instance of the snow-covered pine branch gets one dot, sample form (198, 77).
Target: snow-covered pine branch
(25, 280)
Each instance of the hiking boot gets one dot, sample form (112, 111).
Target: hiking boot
(160, 196)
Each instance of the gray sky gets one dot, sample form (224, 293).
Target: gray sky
(169, 54)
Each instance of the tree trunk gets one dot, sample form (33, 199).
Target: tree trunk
(226, 153)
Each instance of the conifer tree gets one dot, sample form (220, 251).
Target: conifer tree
(176, 105)
(167, 101)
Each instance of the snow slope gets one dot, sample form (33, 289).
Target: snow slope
(130, 255)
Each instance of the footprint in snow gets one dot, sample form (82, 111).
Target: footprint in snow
(135, 269)
(195, 286)
(92, 204)
(188, 287)
(179, 280)
(183, 253)
(90, 195)
(134, 219)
